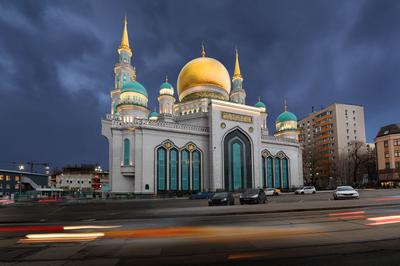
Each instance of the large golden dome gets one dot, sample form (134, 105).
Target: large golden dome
(203, 77)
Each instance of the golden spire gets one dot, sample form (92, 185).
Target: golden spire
(125, 39)
(166, 78)
(134, 74)
(285, 105)
(236, 73)
(203, 52)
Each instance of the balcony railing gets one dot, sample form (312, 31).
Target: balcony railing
(117, 122)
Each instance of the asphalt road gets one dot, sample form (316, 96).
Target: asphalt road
(328, 233)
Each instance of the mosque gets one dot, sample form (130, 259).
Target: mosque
(206, 139)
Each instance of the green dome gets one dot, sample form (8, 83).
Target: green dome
(166, 85)
(153, 114)
(260, 104)
(286, 116)
(134, 86)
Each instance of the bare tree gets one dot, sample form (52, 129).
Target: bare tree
(358, 158)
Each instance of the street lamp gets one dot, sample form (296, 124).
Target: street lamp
(21, 167)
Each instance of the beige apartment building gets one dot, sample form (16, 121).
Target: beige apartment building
(327, 135)
(387, 143)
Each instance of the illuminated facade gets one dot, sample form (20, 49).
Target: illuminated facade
(208, 140)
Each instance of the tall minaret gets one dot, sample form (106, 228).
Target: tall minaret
(238, 95)
(166, 101)
(123, 70)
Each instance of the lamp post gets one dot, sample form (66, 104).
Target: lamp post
(21, 168)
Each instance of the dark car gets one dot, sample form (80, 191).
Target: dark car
(201, 195)
(222, 198)
(253, 195)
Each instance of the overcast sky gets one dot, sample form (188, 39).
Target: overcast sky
(57, 59)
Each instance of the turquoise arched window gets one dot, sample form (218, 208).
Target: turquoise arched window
(126, 151)
(285, 173)
(270, 172)
(196, 168)
(185, 172)
(278, 172)
(237, 165)
(173, 169)
(161, 169)
(124, 78)
(263, 172)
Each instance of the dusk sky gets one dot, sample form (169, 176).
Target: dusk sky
(57, 59)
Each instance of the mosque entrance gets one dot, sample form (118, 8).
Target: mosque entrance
(237, 161)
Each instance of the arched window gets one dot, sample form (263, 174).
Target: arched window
(161, 169)
(124, 78)
(126, 152)
(196, 170)
(237, 161)
(173, 169)
(185, 165)
(237, 165)
(278, 172)
(285, 173)
(270, 172)
(263, 172)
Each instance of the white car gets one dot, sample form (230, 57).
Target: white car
(306, 190)
(345, 192)
(272, 191)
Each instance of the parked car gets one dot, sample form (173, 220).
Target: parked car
(201, 195)
(222, 198)
(272, 191)
(306, 190)
(345, 192)
(253, 195)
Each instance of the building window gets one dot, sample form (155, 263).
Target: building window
(1, 177)
(398, 165)
(147, 187)
(387, 165)
(386, 154)
(277, 172)
(196, 171)
(173, 169)
(386, 143)
(270, 172)
(397, 153)
(124, 78)
(396, 142)
(126, 151)
(285, 173)
(237, 167)
(161, 169)
(185, 170)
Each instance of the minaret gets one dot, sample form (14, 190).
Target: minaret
(286, 125)
(123, 70)
(166, 101)
(238, 95)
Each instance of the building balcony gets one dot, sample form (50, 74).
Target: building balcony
(128, 170)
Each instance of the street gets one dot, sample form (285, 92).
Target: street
(288, 230)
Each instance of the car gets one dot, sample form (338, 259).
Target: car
(306, 190)
(345, 192)
(272, 191)
(222, 198)
(201, 195)
(253, 195)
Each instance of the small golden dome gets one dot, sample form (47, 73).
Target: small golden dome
(204, 71)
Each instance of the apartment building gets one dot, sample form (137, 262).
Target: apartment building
(327, 136)
(387, 144)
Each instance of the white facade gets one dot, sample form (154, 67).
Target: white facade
(145, 136)
(226, 141)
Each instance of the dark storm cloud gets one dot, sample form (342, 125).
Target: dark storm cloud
(57, 57)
